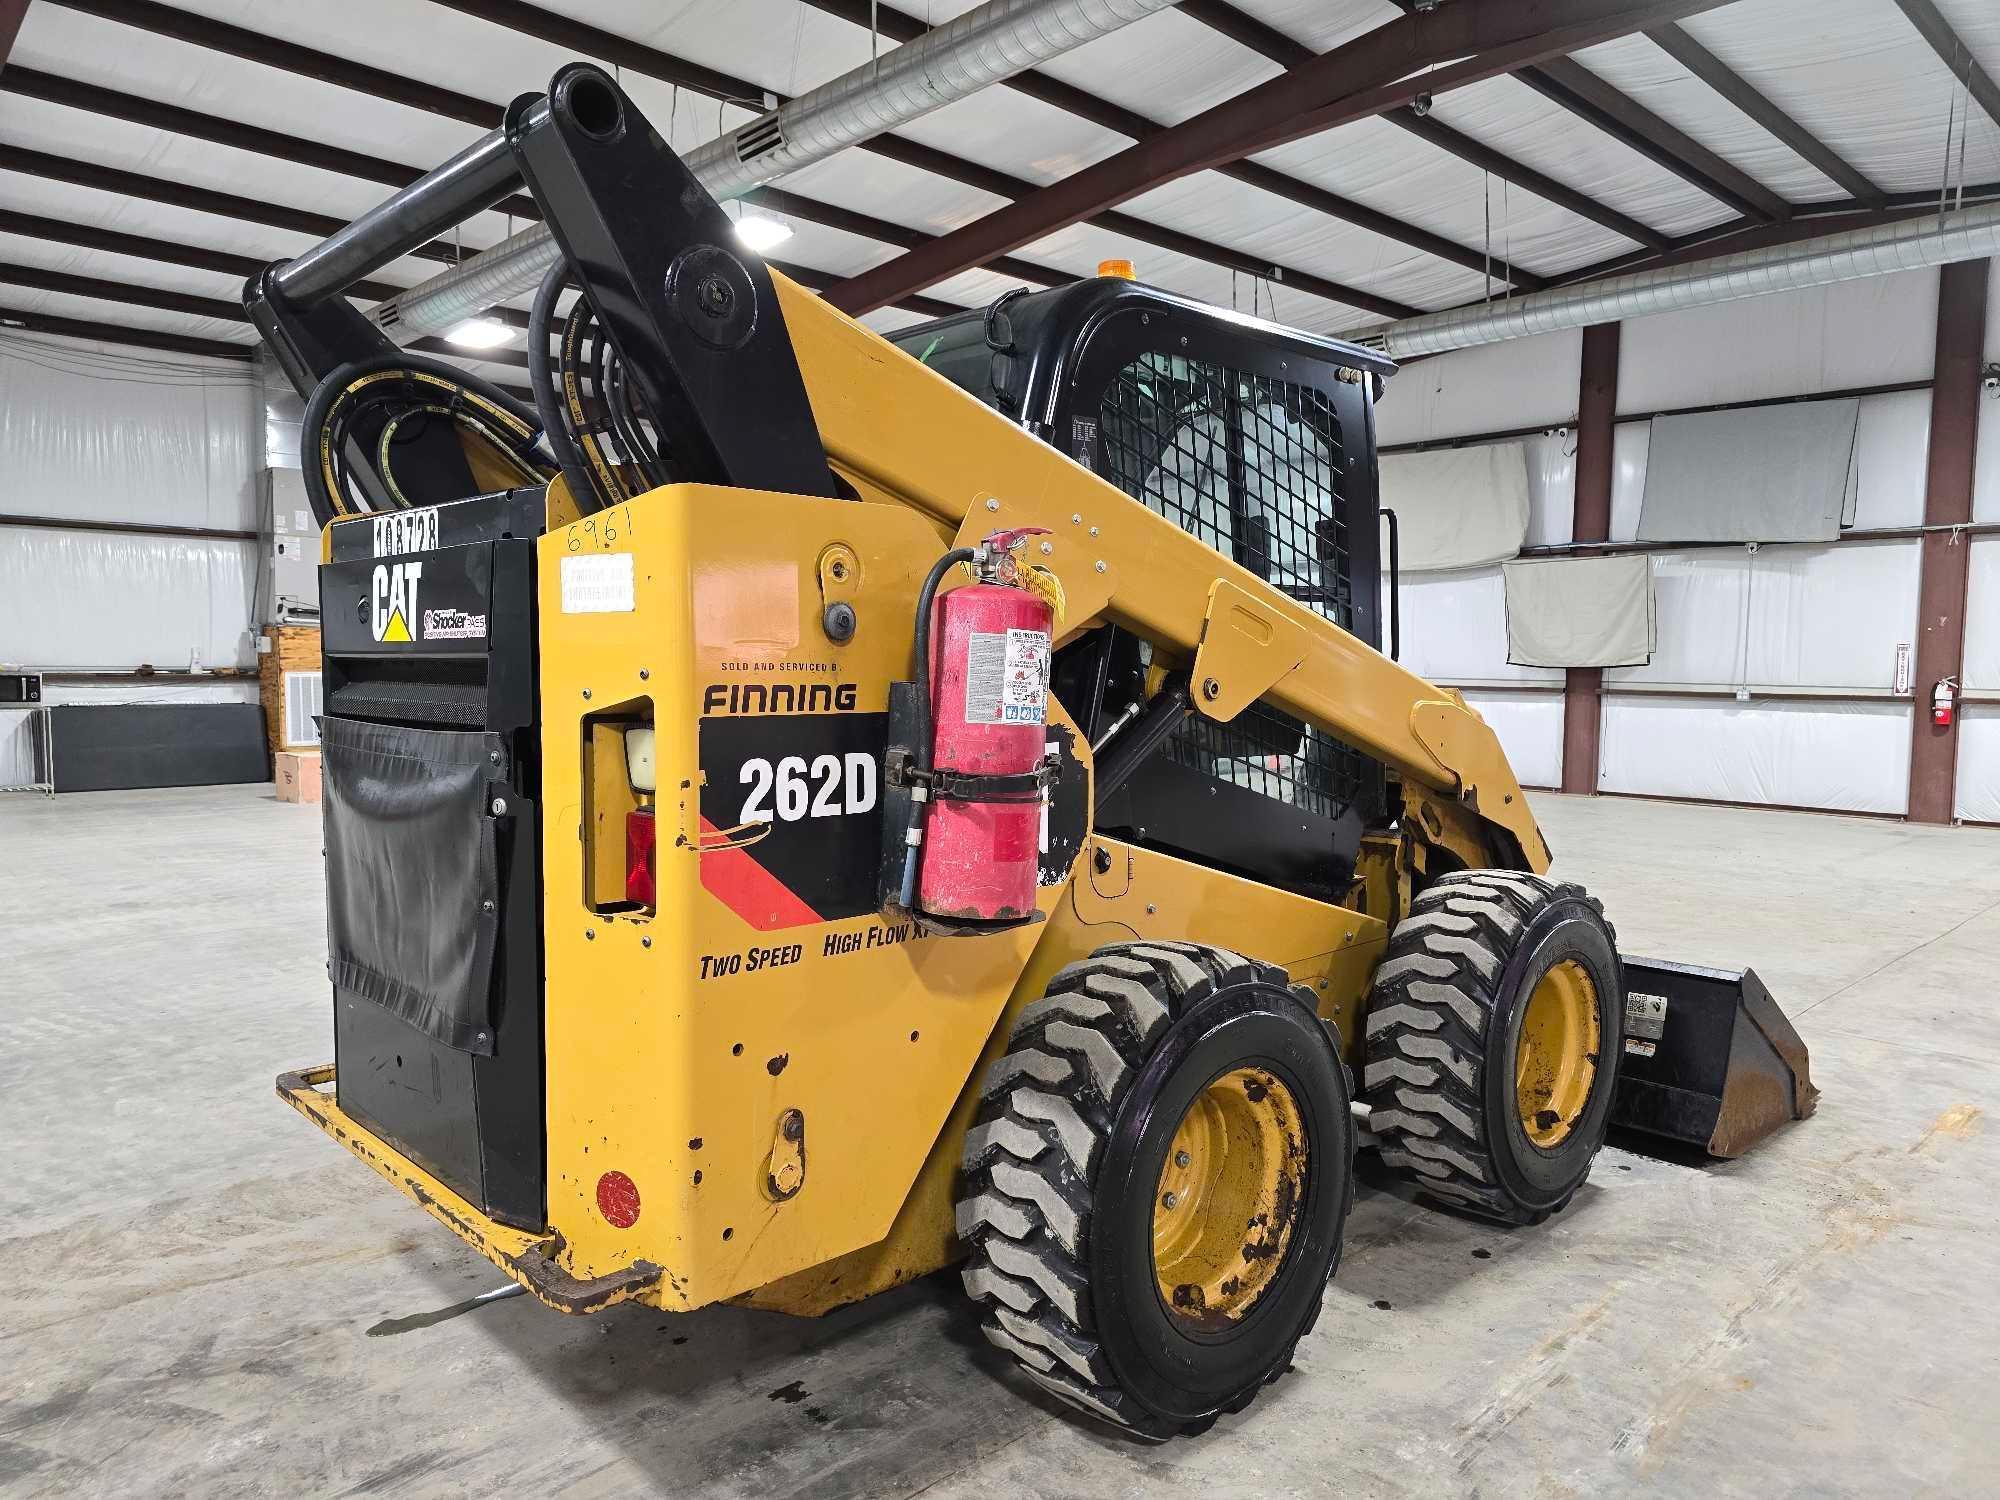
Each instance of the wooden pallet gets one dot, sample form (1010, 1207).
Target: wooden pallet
(294, 648)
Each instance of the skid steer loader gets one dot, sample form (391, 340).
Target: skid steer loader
(801, 811)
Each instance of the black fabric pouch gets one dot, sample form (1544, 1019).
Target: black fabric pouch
(412, 873)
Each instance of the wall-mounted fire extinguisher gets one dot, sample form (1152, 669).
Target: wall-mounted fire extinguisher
(1944, 701)
(973, 844)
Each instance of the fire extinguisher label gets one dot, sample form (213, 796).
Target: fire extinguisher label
(1007, 677)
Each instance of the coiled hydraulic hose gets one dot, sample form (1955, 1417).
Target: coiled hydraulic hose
(554, 414)
(407, 388)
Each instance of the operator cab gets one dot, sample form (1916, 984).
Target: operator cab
(1258, 439)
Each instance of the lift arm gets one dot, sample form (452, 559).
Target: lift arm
(898, 431)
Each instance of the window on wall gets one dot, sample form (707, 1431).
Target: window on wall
(1246, 463)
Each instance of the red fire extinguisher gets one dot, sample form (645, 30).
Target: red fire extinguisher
(975, 841)
(1944, 700)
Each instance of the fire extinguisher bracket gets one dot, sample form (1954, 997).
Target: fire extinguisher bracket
(946, 785)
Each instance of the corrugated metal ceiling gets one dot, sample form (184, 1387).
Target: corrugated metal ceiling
(1855, 73)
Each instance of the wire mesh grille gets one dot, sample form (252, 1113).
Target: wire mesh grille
(1251, 466)
(1274, 755)
(1248, 464)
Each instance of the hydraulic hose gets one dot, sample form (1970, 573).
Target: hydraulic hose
(414, 385)
(548, 404)
(921, 751)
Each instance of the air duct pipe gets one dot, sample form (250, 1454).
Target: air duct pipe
(1910, 245)
(985, 46)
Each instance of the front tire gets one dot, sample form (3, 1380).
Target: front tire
(1493, 1039)
(1156, 1183)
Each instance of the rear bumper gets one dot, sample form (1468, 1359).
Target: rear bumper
(530, 1259)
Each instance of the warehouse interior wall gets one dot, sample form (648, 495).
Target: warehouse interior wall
(1773, 679)
(98, 434)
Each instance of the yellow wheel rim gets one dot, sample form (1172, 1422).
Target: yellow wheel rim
(1230, 1189)
(1555, 1062)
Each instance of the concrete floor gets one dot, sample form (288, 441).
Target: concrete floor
(204, 1296)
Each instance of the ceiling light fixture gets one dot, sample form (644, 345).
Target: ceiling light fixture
(760, 233)
(480, 333)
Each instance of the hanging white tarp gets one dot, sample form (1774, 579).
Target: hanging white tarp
(1455, 629)
(1580, 611)
(1458, 507)
(1760, 474)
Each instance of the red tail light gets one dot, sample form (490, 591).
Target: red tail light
(641, 839)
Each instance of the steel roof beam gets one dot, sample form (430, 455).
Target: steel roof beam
(1466, 149)
(164, 20)
(14, 318)
(530, 20)
(1379, 70)
(33, 84)
(144, 247)
(1936, 30)
(11, 14)
(1220, 16)
(902, 27)
(1809, 222)
(160, 299)
(1718, 75)
(235, 41)
(116, 180)
(1581, 92)
(94, 175)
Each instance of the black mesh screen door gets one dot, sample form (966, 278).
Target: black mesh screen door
(1249, 449)
(1248, 464)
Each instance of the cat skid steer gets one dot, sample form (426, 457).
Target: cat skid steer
(802, 812)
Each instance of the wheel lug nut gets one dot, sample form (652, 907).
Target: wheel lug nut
(1181, 1158)
(1172, 1200)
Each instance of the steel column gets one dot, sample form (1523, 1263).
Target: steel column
(11, 12)
(1596, 418)
(1379, 70)
(1961, 343)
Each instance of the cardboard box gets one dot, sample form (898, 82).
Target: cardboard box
(297, 776)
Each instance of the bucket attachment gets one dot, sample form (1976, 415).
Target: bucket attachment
(1709, 1058)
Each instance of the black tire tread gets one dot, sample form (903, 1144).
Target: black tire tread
(1429, 1011)
(1045, 1114)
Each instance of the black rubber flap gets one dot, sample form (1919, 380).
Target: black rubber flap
(412, 877)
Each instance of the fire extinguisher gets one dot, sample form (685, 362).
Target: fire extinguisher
(1944, 701)
(973, 845)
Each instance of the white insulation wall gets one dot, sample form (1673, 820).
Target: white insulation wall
(1736, 626)
(92, 432)
(88, 433)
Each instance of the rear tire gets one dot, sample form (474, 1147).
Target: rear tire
(1493, 1040)
(1082, 1122)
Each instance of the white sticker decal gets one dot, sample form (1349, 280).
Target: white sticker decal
(1645, 1021)
(453, 625)
(597, 583)
(400, 531)
(1007, 677)
(1026, 697)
